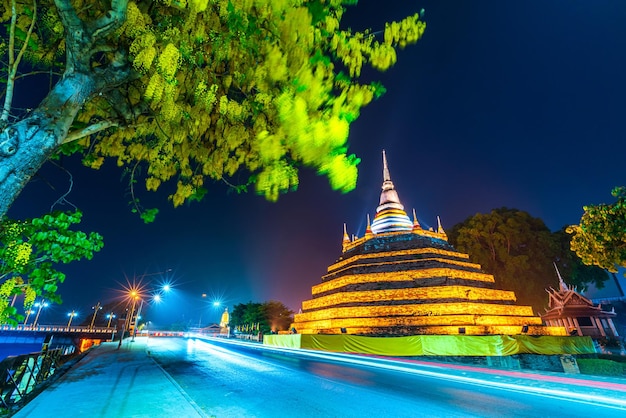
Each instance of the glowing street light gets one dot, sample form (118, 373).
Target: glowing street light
(137, 291)
(110, 316)
(40, 305)
(71, 315)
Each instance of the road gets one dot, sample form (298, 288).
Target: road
(227, 380)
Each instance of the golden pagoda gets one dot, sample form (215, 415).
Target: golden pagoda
(400, 279)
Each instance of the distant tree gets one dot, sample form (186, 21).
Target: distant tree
(279, 316)
(513, 246)
(236, 316)
(269, 316)
(190, 90)
(30, 253)
(572, 268)
(600, 238)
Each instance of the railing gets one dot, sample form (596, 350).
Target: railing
(57, 328)
(20, 375)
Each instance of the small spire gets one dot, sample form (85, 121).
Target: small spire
(368, 229)
(416, 224)
(562, 284)
(346, 239)
(439, 227)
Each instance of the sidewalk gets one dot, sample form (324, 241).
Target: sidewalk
(114, 383)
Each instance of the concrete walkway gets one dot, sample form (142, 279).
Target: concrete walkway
(112, 382)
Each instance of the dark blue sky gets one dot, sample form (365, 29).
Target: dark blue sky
(516, 104)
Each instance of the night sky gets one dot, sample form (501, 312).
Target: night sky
(515, 104)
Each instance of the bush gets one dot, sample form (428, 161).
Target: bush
(601, 367)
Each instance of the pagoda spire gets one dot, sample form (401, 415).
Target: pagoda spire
(386, 176)
(388, 194)
(390, 215)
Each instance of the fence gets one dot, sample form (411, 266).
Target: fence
(20, 375)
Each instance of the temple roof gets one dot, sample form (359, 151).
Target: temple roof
(390, 214)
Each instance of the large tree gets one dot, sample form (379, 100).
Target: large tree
(521, 253)
(513, 246)
(192, 90)
(600, 238)
(572, 268)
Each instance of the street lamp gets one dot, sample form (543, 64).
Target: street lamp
(110, 316)
(28, 312)
(138, 292)
(71, 315)
(39, 305)
(95, 312)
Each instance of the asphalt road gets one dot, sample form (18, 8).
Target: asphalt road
(235, 381)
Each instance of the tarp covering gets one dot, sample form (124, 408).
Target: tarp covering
(436, 345)
(555, 345)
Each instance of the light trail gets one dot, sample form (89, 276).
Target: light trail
(583, 397)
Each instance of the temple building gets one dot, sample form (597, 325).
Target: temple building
(577, 314)
(400, 279)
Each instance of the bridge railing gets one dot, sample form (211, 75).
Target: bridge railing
(20, 375)
(57, 328)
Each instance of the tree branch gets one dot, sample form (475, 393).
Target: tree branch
(89, 130)
(15, 62)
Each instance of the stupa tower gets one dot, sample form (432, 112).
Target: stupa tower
(401, 279)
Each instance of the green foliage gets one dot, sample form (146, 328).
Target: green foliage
(572, 268)
(600, 238)
(30, 252)
(519, 251)
(513, 246)
(271, 316)
(222, 87)
(600, 367)
(148, 215)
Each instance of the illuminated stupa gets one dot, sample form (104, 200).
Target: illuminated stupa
(401, 279)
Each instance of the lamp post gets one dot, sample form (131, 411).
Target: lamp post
(110, 316)
(137, 293)
(95, 312)
(40, 305)
(137, 320)
(71, 315)
(28, 312)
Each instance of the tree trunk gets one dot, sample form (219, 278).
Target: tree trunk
(27, 144)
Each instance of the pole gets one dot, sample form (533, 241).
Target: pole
(129, 320)
(110, 318)
(41, 305)
(95, 312)
(27, 315)
(71, 317)
(137, 320)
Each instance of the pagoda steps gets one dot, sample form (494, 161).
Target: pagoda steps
(427, 277)
(473, 309)
(428, 283)
(410, 295)
(421, 321)
(395, 265)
